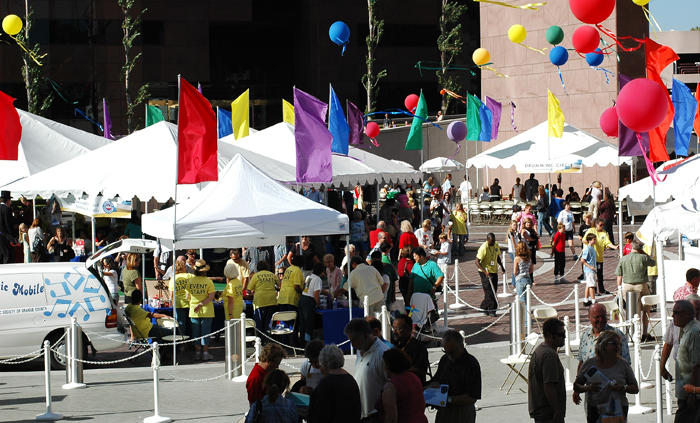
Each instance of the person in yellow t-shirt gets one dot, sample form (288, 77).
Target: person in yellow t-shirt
(602, 242)
(236, 255)
(264, 285)
(142, 318)
(182, 304)
(290, 291)
(233, 294)
(200, 291)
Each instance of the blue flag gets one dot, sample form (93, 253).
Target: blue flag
(486, 117)
(685, 105)
(338, 126)
(224, 122)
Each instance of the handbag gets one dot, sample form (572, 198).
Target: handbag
(258, 417)
(38, 244)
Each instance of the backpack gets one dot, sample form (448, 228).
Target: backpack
(38, 244)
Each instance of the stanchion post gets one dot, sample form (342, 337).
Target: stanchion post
(659, 385)
(577, 317)
(155, 364)
(528, 309)
(567, 351)
(505, 293)
(233, 358)
(49, 415)
(74, 347)
(242, 354)
(365, 304)
(638, 408)
(386, 330)
(258, 349)
(457, 305)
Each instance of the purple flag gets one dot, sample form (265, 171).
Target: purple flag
(356, 122)
(108, 121)
(627, 137)
(496, 110)
(199, 88)
(313, 140)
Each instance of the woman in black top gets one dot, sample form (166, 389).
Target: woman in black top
(306, 249)
(542, 213)
(495, 191)
(336, 398)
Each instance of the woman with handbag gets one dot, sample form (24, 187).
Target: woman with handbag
(62, 252)
(529, 235)
(36, 241)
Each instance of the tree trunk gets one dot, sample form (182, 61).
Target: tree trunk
(370, 11)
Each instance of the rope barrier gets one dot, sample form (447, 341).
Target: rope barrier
(471, 306)
(553, 304)
(492, 323)
(32, 356)
(289, 346)
(207, 379)
(163, 344)
(131, 357)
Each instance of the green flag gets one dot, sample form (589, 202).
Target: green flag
(473, 119)
(153, 115)
(415, 137)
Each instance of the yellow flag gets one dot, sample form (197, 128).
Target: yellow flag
(239, 116)
(555, 117)
(287, 112)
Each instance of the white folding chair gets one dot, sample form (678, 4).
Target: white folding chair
(543, 313)
(282, 330)
(167, 326)
(649, 301)
(250, 324)
(521, 359)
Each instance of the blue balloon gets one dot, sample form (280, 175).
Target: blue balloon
(339, 33)
(595, 58)
(558, 56)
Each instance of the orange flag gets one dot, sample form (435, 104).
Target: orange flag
(696, 124)
(657, 58)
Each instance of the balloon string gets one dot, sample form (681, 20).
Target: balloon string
(651, 19)
(562, 80)
(438, 66)
(617, 39)
(455, 95)
(399, 112)
(650, 166)
(534, 49)
(374, 142)
(459, 146)
(342, 44)
(605, 72)
(30, 53)
(529, 6)
(512, 117)
(494, 71)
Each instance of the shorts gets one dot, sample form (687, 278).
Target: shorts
(590, 279)
(569, 235)
(641, 288)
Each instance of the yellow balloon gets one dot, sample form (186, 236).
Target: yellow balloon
(641, 2)
(481, 56)
(517, 33)
(12, 24)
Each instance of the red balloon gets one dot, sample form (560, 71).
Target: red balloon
(642, 104)
(591, 11)
(609, 122)
(585, 39)
(372, 129)
(411, 103)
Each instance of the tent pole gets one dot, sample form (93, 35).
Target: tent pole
(72, 219)
(376, 191)
(94, 237)
(633, 170)
(347, 254)
(422, 190)
(619, 227)
(34, 207)
(177, 161)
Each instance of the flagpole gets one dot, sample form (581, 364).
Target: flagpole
(177, 160)
(217, 122)
(104, 118)
(146, 119)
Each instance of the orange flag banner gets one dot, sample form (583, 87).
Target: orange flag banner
(657, 58)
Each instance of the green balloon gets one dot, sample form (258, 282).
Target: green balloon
(554, 35)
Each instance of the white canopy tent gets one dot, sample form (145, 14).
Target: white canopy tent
(244, 208)
(441, 164)
(532, 149)
(277, 142)
(45, 144)
(140, 165)
(667, 220)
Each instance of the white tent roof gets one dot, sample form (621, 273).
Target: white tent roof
(441, 164)
(531, 146)
(679, 215)
(277, 142)
(45, 144)
(245, 208)
(141, 164)
(681, 180)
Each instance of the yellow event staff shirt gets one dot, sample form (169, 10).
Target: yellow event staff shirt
(233, 291)
(601, 243)
(140, 318)
(488, 256)
(288, 295)
(242, 266)
(263, 284)
(199, 288)
(180, 282)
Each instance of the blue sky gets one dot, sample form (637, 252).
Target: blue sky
(677, 15)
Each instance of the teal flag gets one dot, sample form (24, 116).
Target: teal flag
(473, 119)
(153, 115)
(415, 136)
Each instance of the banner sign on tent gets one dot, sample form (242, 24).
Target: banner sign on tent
(550, 167)
(98, 207)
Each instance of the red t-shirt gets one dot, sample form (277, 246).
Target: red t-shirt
(408, 238)
(254, 384)
(374, 237)
(405, 263)
(558, 242)
(627, 249)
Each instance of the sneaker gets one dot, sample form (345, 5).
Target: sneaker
(198, 356)
(206, 356)
(606, 292)
(587, 303)
(576, 258)
(562, 280)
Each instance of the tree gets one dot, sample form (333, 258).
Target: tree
(695, 28)
(370, 80)
(31, 69)
(130, 29)
(450, 45)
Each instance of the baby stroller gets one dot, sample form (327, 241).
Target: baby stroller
(424, 315)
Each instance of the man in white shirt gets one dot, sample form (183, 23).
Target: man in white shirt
(369, 365)
(366, 281)
(465, 190)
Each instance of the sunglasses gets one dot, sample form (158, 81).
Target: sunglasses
(280, 274)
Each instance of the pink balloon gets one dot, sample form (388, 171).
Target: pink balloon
(411, 102)
(372, 129)
(591, 11)
(609, 122)
(642, 104)
(585, 39)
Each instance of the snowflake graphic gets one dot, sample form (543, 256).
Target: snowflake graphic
(86, 287)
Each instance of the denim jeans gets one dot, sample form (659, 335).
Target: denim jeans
(201, 326)
(520, 285)
(542, 220)
(458, 243)
(512, 259)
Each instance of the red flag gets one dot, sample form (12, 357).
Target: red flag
(197, 136)
(10, 128)
(657, 58)
(696, 124)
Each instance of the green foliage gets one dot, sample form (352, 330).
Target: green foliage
(449, 44)
(130, 25)
(695, 28)
(31, 71)
(370, 80)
